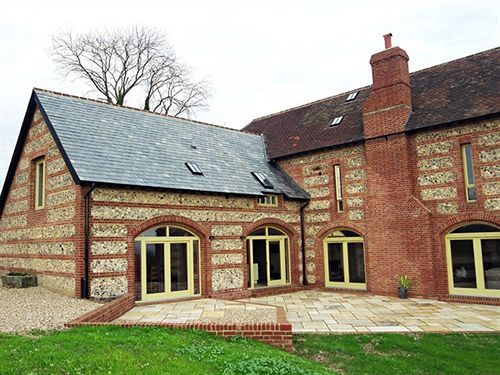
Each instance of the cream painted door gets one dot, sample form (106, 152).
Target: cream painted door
(166, 269)
(276, 268)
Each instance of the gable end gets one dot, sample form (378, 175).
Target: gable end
(28, 117)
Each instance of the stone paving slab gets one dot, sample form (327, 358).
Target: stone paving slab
(202, 310)
(328, 312)
(312, 311)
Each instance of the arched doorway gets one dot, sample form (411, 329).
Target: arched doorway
(344, 260)
(167, 263)
(268, 258)
(473, 260)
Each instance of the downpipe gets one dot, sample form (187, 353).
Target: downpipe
(85, 278)
(303, 243)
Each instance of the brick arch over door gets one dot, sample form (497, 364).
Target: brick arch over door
(278, 224)
(456, 221)
(332, 228)
(177, 221)
(444, 227)
(293, 237)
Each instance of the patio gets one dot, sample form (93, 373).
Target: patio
(202, 310)
(327, 312)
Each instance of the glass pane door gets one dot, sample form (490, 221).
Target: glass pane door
(259, 266)
(335, 263)
(491, 263)
(179, 267)
(155, 268)
(267, 258)
(167, 268)
(356, 262)
(462, 263)
(276, 262)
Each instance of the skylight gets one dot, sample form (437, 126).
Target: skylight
(337, 120)
(352, 96)
(261, 177)
(194, 168)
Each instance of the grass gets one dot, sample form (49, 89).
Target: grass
(404, 354)
(150, 350)
(144, 350)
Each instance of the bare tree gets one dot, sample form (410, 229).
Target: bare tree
(139, 59)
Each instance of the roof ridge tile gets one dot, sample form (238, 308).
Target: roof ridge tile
(308, 104)
(367, 86)
(101, 101)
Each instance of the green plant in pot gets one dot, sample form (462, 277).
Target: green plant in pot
(404, 286)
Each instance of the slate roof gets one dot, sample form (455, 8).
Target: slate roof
(115, 145)
(457, 90)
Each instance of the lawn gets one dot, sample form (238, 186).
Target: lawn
(143, 350)
(404, 354)
(150, 350)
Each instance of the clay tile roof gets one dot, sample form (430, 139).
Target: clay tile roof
(457, 90)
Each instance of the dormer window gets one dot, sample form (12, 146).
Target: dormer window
(337, 120)
(351, 96)
(261, 177)
(194, 168)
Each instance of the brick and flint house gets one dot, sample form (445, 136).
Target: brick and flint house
(345, 193)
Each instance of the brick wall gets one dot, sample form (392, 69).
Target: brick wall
(439, 182)
(221, 223)
(44, 241)
(277, 334)
(403, 193)
(439, 168)
(315, 173)
(398, 239)
(107, 312)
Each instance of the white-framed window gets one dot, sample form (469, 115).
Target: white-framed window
(470, 185)
(338, 188)
(344, 260)
(351, 96)
(337, 120)
(268, 200)
(40, 183)
(473, 260)
(268, 258)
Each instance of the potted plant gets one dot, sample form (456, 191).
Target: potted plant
(19, 280)
(404, 285)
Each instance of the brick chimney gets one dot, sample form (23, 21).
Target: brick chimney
(391, 91)
(394, 218)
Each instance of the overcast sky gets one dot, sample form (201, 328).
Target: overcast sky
(259, 56)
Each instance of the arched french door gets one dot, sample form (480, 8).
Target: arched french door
(167, 263)
(268, 258)
(473, 260)
(344, 260)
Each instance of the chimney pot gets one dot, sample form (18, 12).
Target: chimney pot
(388, 40)
(388, 106)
